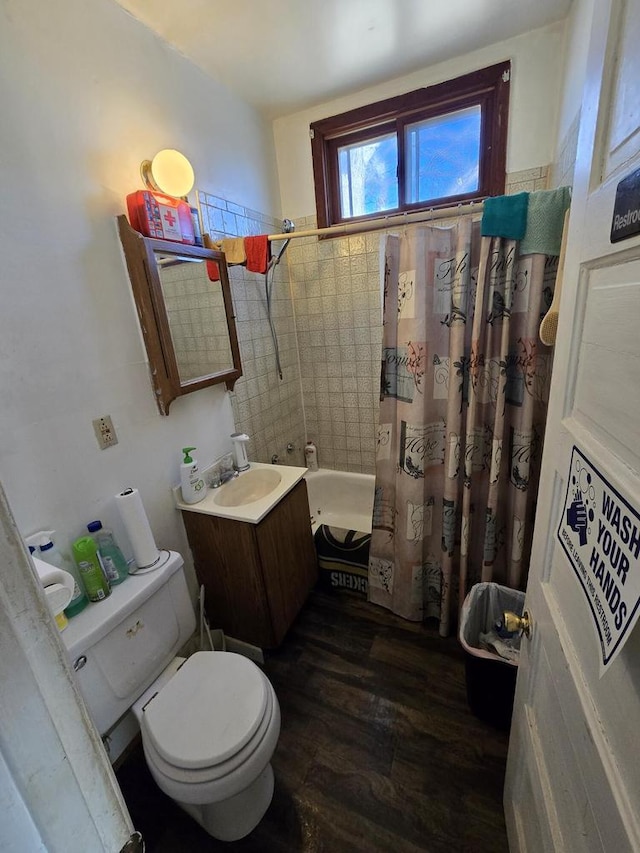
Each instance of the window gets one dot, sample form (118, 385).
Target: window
(429, 148)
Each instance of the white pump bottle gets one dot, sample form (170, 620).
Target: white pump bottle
(192, 485)
(240, 440)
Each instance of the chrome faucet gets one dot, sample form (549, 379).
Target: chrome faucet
(275, 459)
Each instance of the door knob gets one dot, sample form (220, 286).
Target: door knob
(135, 844)
(514, 623)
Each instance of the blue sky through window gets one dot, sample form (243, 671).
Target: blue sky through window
(443, 156)
(442, 159)
(368, 176)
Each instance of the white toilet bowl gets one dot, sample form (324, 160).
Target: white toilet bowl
(209, 724)
(208, 736)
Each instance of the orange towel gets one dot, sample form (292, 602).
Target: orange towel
(258, 250)
(234, 251)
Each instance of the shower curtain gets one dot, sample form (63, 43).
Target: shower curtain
(464, 389)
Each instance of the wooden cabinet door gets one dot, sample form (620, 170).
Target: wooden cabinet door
(288, 557)
(227, 562)
(256, 577)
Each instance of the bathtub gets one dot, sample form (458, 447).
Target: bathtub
(340, 499)
(341, 506)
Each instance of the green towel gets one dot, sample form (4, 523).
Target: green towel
(545, 219)
(505, 216)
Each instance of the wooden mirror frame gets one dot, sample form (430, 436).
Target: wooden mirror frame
(140, 256)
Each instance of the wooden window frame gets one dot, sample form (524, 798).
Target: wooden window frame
(488, 88)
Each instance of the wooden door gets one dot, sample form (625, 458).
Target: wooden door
(573, 775)
(58, 790)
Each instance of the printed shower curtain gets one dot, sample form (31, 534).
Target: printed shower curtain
(464, 389)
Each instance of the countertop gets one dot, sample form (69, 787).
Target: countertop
(254, 511)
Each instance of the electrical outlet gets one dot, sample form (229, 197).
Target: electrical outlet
(105, 433)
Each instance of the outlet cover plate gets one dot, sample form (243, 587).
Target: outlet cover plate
(105, 433)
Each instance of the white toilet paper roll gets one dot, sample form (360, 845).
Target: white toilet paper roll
(58, 585)
(134, 518)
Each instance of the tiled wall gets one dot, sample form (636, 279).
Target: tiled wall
(527, 180)
(267, 408)
(336, 288)
(562, 171)
(329, 351)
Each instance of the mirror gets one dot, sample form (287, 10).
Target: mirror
(197, 317)
(187, 320)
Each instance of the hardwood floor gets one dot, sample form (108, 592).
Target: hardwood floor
(378, 749)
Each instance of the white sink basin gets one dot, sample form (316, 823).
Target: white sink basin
(251, 486)
(250, 497)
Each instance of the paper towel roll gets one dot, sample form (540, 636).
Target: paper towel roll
(136, 523)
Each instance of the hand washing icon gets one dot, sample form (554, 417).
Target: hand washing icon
(577, 518)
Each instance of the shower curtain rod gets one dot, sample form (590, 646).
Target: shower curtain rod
(382, 222)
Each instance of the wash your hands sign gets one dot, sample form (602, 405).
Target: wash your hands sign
(600, 533)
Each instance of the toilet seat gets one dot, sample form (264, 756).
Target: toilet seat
(224, 778)
(207, 713)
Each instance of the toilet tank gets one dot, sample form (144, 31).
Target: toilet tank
(119, 646)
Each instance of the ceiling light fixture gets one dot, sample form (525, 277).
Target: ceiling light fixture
(169, 172)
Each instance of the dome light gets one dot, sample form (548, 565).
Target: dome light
(169, 172)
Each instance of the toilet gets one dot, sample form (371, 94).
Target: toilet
(209, 723)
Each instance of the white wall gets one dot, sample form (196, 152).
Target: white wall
(536, 68)
(87, 92)
(576, 45)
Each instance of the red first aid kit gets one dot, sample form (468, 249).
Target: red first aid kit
(161, 216)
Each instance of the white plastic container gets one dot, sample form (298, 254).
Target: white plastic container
(240, 440)
(113, 561)
(48, 551)
(58, 588)
(191, 483)
(311, 456)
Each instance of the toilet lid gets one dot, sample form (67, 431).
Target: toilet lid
(208, 711)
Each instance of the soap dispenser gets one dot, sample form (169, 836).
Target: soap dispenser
(239, 440)
(191, 483)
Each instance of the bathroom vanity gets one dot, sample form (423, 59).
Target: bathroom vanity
(256, 560)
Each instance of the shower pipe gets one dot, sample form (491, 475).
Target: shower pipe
(289, 228)
(383, 222)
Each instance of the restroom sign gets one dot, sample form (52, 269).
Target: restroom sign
(600, 533)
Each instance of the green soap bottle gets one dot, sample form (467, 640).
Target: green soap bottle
(85, 553)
